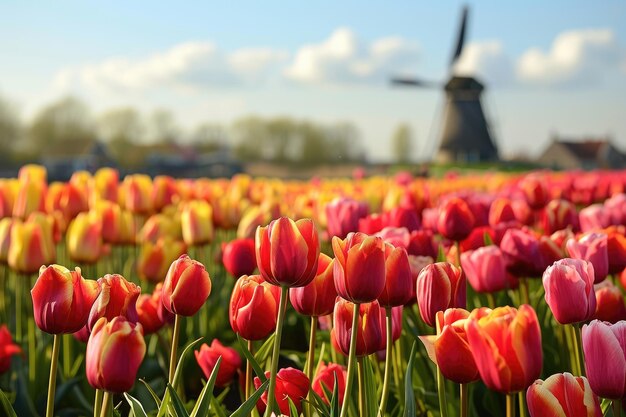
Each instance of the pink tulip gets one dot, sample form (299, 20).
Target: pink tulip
(592, 247)
(562, 395)
(604, 346)
(485, 269)
(569, 290)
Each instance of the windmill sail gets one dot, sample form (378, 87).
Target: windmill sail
(460, 40)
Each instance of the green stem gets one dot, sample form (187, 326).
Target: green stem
(19, 293)
(32, 351)
(570, 349)
(617, 408)
(491, 301)
(523, 290)
(282, 308)
(441, 391)
(351, 357)
(464, 399)
(388, 357)
(576, 348)
(67, 355)
(249, 371)
(510, 405)
(107, 402)
(579, 348)
(363, 408)
(522, 404)
(52, 383)
(97, 403)
(310, 361)
(173, 350)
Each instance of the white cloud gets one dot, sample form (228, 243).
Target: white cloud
(343, 58)
(189, 65)
(487, 61)
(580, 56)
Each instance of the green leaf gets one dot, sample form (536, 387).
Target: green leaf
(135, 406)
(441, 254)
(217, 408)
(178, 405)
(293, 410)
(201, 408)
(409, 395)
(487, 239)
(334, 401)
(155, 397)
(6, 405)
(258, 370)
(250, 403)
(265, 350)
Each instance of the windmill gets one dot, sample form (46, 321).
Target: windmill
(465, 134)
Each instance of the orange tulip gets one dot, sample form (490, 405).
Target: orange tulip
(155, 258)
(253, 307)
(84, 238)
(117, 297)
(563, 395)
(137, 190)
(32, 245)
(506, 346)
(187, 286)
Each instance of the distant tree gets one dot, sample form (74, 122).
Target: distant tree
(250, 137)
(163, 127)
(10, 128)
(209, 137)
(63, 127)
(401, 144)
(123, 129)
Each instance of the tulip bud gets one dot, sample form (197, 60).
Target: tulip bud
(450, 349)
(32, 246)
(62, 299)
(155, 259)
(164, 191)
(239, 257)
(485, 269)
(287, 252)
(398, 279)
(592, 247)
(325, 381)
(207, 357)
(291, 384)
(610, 306)
(152, 314)
(84, 238)
(440, 286)
(455, 221)
(8, 349)
(359, 267)
(117, 297)
(317, 298)
(604, 346)
(569, 290)
(187, 286)
(106, 183)
(562, 395)
(506, 346)
(253, 307)
(137, 189)
(114, 352)
(371, 331)
(343, 215)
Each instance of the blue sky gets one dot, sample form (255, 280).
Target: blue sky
(550, 67)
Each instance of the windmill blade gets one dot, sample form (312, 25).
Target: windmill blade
(461, 36)
(413, 82)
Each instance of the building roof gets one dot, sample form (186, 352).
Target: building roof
(588, 149)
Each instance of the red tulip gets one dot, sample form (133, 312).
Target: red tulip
(450, 349)
(569, 290)
(610, 304)
(506, 346)
(343, 215)
(187, 286)
(501, 211)
(485, 269)
(562, 395)
(164, 191)
(118, 225)
(604, 346)
(398, 279)
(371, 331)
(62, 299)
(592, 247)
(455, 221)
(114, 352)
(440, 286)
(521, 251)
(533, 187)
(359, 267)
(291, 384)
(616, 246)
(7, 349)
(207, 357)
(287, 252)
(137, 189)
(238, 257)
(117, 297)
(317, 298)
(152, 314)
(253, 307)
(402, 217)
(371, 224)
(325, 381)
(422, 243)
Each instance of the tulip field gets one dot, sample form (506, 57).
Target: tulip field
(482, 294)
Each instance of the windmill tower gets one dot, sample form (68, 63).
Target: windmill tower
(465, 134)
